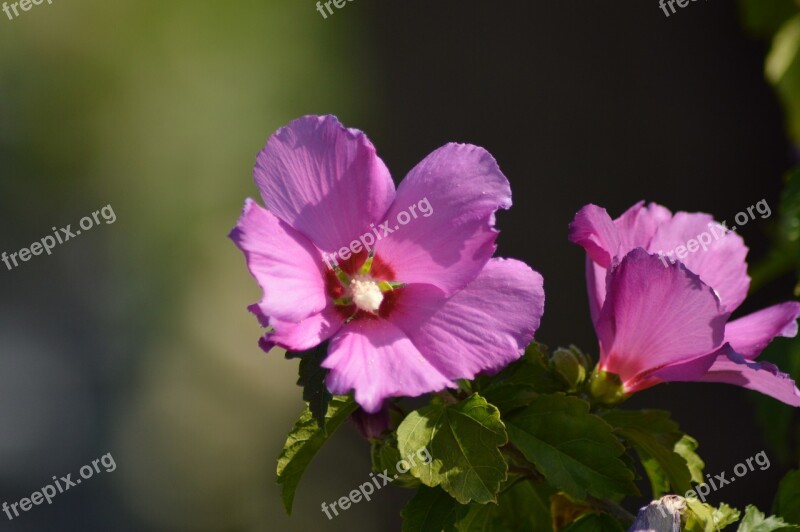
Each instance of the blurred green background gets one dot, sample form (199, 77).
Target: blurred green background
(133, 339)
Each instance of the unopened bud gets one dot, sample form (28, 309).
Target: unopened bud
(606, 387)
(569, 367)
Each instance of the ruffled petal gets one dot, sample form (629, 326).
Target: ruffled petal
(655, 316)
(377, 360)
(454, 192)
(286, 264)
(482, 328)
(750, 334)
(604, 240)
(758, 376)
(717, 257)
(638, 225)
(305, 334)
(594, 230)
(324, 180)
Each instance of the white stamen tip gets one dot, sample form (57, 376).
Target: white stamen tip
(366, 293)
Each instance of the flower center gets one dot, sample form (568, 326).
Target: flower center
(366, 293)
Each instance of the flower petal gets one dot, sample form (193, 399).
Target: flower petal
(450, 243)
(720, 262)
(750, 334)
(759, 376)
(594, 230)
(655, 316)
(371, 426)
(482, 328)
(306, 334)
(286, 265)
(324, 180)
(684, 371)
(638, 225)
(604, 240)
(377, 360)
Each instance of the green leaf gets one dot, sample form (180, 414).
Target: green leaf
(480, 518)
(595, 523)
(785, 47)
(576, 451)
(518, 384)
(702, 517)
(654, 436)
(755, 521)
(312, 379)
(463, 440)
(522, 507)
(431, 510)
(687, 447)
(303, 442)
(571, 365)
(787, 502)
(386, 456)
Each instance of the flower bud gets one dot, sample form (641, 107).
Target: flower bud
(569, 366)
(606, 387)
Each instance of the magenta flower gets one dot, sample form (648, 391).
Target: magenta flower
(409, 309)
(659, 320)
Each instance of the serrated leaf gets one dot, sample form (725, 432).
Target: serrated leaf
(480, 518)
(576, 451)
(755, 521)
(463, 439)
(312, 379)
(654, 436)
(787, 502)
(595, 523)
(431, 510)
(518, 384)
(522, 507)
(303, 442)
(687, 447)
(386, 456)
(702, 517)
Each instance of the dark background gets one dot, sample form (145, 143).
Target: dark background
(134, 338)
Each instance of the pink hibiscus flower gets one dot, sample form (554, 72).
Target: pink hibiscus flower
(659, 320)
(421, 306)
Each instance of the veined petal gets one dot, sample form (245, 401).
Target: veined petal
(655, 316)
(719, 259)
(377, 360)
(596, 287)
(324, 180)
(594, 230)
(759, 376)
(307, 333)
(750, 334)
(684, 371)
(482, 328)
(459, 187)
(605, 239)
(638, 225)
(286, 264)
